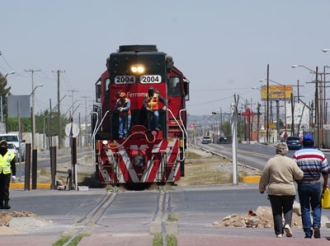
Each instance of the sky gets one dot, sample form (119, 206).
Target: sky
(223, 47)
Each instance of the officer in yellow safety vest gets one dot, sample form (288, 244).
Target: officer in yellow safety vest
(7, 171)
(151, 101)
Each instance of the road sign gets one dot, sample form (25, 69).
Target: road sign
(71, 130)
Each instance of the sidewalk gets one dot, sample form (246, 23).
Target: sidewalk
(182, 240)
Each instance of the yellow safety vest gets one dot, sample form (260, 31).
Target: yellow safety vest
(5, 162)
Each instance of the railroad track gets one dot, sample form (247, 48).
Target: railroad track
(158, 223)
(87, 222)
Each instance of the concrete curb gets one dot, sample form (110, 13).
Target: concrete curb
(251, 179)
(21, 186)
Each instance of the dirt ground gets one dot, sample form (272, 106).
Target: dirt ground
(5, 218)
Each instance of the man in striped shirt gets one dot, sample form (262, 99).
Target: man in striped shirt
(313, 163)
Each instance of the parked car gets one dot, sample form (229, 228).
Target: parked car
(15, 139)
(293, 142)
(11, 147)
(222, 140)
(206, 140)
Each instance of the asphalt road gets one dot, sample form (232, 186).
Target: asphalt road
(99, 212)
(121, 213)
(254, 155)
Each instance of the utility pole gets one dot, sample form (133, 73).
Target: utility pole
(292, 113)
(317, 116)
(267, 112)
(72, 101)
(59, 127)
(85, 142)
(258, 120)
(32, 71)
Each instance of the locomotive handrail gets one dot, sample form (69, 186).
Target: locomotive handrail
(134, 133)
(96, 129)
(185, 130)
(182, 130)
(94, 133)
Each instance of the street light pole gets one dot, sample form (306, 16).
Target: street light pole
(12, 72)
(51, 111)
(33, 117)
(317, 121)
(32, 93)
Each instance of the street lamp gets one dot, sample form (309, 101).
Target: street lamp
(295, 66)
(33, 116)
(50, 112)
(324, 104)
(12, 72)
(317, 118)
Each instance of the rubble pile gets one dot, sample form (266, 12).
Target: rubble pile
(261, 218)
(5, 217)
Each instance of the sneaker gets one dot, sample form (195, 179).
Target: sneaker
(317, 233)
(287, 230)
(120, 137)
(279, 235)
(309, 235)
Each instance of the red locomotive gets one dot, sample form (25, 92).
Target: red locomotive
(145, 155)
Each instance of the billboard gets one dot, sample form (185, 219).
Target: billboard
(276, 92)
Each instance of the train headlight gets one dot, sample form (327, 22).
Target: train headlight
(137, 69)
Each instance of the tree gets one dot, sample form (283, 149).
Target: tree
(45, 123)
(226, 128)
(3, 83)
(4, 92)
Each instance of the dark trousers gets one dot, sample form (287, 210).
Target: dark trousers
(281, 205)
(4, 187)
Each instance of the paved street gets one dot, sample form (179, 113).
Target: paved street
(130, 217)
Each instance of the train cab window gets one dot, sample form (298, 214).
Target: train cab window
(174, 88)
(98, 91)
(107, 88)
(107, 85)
(186, 89)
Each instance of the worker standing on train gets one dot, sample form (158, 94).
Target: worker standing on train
(151, 104)
(123, 105)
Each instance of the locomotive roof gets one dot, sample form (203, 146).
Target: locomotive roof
(138, 48)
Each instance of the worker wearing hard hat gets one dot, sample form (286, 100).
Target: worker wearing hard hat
(123, 105)
(151, 101)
